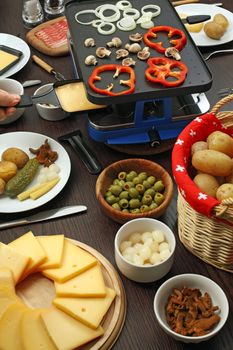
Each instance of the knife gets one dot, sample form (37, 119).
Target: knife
(45, 215)
(47, 67)
(196, 19)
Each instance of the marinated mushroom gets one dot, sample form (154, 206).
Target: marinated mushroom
(122, 53)
(172, 52)
(89, 42)
(115, 42)
(128, 61)
(133, 48)
(90, 60)
(102, 52)
(144, 54)
(136, 37)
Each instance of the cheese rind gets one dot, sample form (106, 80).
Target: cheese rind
(90, 311)
(53, 247)
(74, 261)
(88, 284)
(66, 332)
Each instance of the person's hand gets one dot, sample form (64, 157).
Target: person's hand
(7, 103)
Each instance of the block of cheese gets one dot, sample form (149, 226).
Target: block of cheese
(11, 259)
(66, 332)
(88, 284)
(34, 335)
(28, 245)
(53, 247)
(10, 337)
(89, 311)
(74, 261)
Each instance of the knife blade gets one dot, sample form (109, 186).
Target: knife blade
(196, 19)
(45, 215)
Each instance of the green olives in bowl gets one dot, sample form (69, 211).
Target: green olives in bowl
(134, 188)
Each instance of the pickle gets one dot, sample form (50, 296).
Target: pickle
(23, 178)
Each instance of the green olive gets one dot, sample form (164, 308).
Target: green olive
(142, 176)
(158, 198)
(108, 193)
(146, 184)
(144, 208)
(151, 180)
(111, 199)
(150, 191)
(134, 203)
(136, 180)
(135, 211)
(140, 188)
(133, 193)
(159, 186)
(115, 189)
(128, 185)
(153, 205)
(124, 194)
(122, 175)
(116, 182)
(125, 210)
(131, 175)
(147, 199)
(123, 203)
(116, 206)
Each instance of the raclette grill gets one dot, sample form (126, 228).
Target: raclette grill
(152, 113)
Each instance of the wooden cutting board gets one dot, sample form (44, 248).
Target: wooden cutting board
(50, 37)
(38, 292)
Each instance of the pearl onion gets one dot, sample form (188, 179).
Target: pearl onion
(163, 246)
(155, 258)
(158, 236)
(165, 254)
(135, 237)
(145, 236)
(124, 245)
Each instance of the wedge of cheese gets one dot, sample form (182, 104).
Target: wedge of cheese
(28, 245)
(88, 284)
(66, 332)
(10, 337)
(53, 247)
(11, 259)
(34, 335)
(74, 261)
(89, 311)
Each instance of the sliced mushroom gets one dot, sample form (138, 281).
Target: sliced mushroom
(115, 42)
(144, 54)
(122, 53)
(136, 37)
(89, 42)
(128, 61)
(90, 60)
(102, 52)
(172, 52)
(133, 48)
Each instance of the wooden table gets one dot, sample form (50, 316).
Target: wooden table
(141, 331)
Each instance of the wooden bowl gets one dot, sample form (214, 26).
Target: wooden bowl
(110, 173)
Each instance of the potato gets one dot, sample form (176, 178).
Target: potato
(222, 20)
(7, 170)
(198, 146)
(219, 141)
(224, 191)
(15, 155)
(214, 30)
(2, 186)
(212, 162)
(207, 183)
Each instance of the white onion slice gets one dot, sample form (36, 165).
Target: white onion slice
(134, 13)
(126, 22)
(123, 5)
(144, 18)
(112, 18)
(147, 25)
(83, 12)
(96, 22)
(153, 7)
(106, 32)
(126, 29)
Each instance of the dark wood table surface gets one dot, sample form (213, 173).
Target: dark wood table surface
(141, 330)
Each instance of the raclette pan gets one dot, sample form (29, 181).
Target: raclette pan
(70, 95)
(15, 54)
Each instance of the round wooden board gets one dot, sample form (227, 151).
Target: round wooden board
(144, 148)
(38, 292)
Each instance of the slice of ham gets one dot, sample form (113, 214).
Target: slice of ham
(54, 35)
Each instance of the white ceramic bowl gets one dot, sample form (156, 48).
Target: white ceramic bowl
(49, 112)
(141, 273)
(14, 87)
(192, 281)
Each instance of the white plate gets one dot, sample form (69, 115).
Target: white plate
(15, 43)
(201, 39)
(24, 140)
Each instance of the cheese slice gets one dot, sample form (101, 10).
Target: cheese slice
(88, 284)
(90, 311)
(34, 335)
(11, 259)
(53, 247)
(192, 28)
(7, 290)
(10, 337)
(74, 261)
(28, 245)
(66, 332)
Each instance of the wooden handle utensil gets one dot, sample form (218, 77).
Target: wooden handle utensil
(42, 64)
(183, 2)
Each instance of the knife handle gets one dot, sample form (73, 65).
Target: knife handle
(183, 2)
(42, 64)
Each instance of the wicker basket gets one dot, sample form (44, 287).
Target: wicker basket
(209, 238)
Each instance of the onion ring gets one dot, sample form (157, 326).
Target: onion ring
(126, 29)
(123, 5)
(96, 22)
(153, 7)
(106, 32)
(82, 12)
(134, 13)
(147, 25)
(112, 18)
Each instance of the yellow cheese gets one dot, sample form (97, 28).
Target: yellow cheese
(7, 290)
(10, 338)
(14, 261)
(74, 261)
(88, 284)
(66, 332)
(192, 28)
(6, 59)
(53, 247)
(34, 335)
(89, 311)
(28, 245)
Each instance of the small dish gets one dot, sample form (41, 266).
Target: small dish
(204, 284)
(141, 273)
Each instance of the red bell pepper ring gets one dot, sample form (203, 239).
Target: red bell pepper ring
(160, 68)
(118, 70)
(178, 42)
